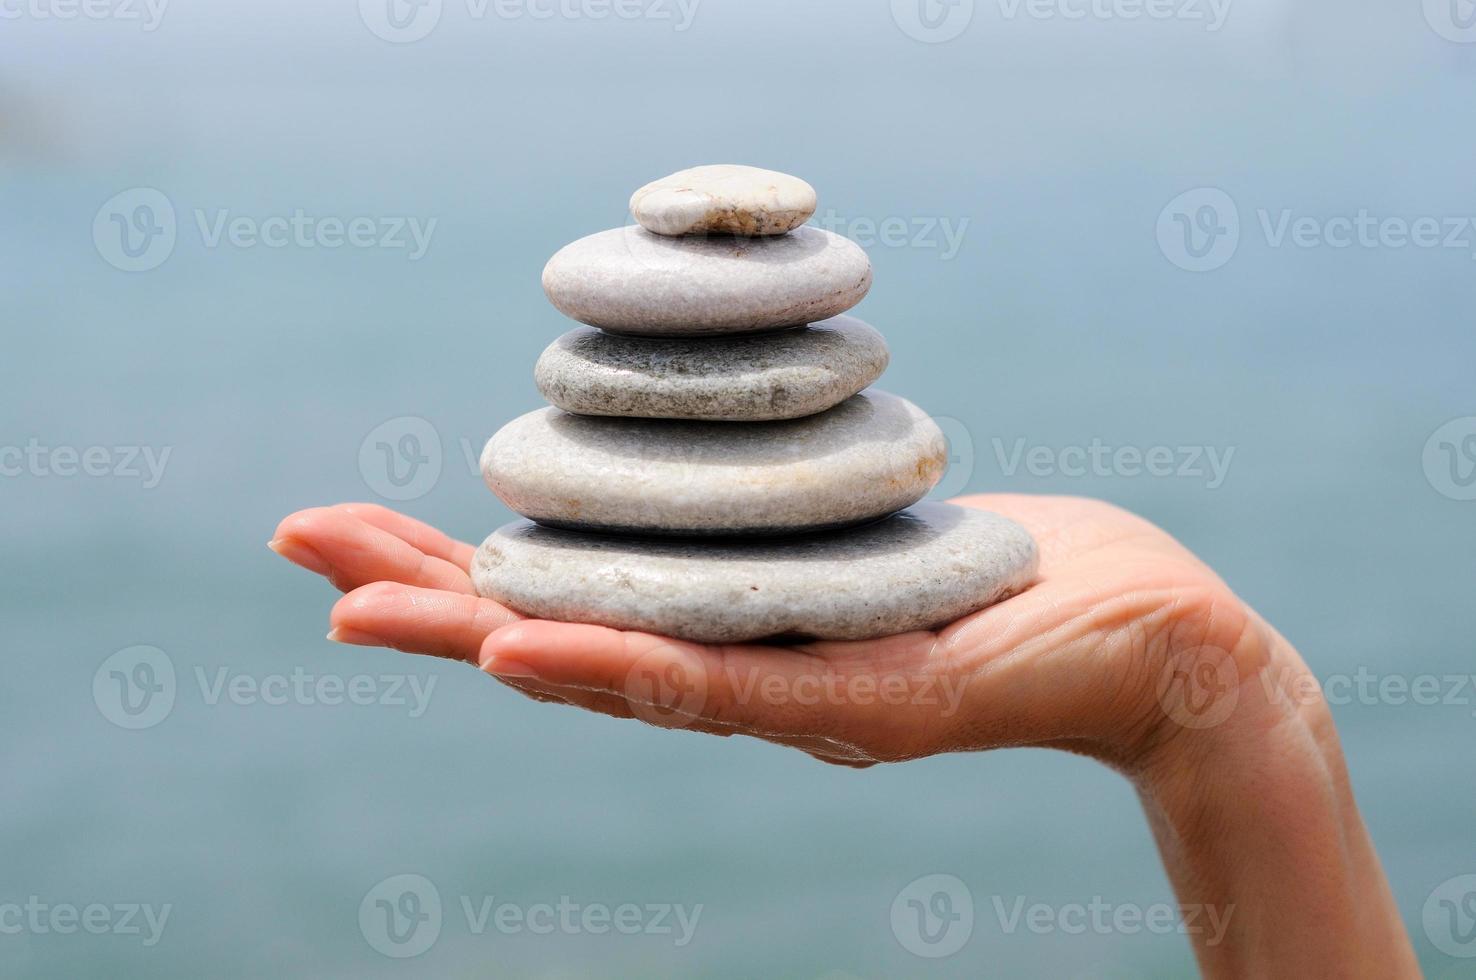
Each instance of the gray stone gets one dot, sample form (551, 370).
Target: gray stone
(631, 281)
(724, 198)
(869, 456)
(923, 568)
(784, 374)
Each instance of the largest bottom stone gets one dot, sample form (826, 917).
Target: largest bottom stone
(922, 568)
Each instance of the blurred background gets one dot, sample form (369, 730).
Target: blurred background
(1183, 224)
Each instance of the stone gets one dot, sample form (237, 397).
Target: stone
(725, 199)
(920, 569)
(629, 280)
(869, 456)
(784, 374)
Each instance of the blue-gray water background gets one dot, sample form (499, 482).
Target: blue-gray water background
(1059, 321)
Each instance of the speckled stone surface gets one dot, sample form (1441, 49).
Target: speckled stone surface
(632, 281)
(724, 198)
(926, 567)
(783, 374)
(871, 455)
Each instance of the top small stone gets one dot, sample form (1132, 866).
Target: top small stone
(724, 199)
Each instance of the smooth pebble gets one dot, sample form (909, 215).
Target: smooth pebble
(869, 456)
(724, 198)
(920, 569)
(629, 280)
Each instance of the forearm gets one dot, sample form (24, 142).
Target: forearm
(1257, 825)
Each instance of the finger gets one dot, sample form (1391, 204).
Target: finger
(417, 620)
(415, 533)
(601, 704)
(617, 706)
(535, 692)
(454, 625)
(350, 552)
(841, 761)
(769, 692)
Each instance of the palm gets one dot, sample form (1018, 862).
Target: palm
(1072, 662)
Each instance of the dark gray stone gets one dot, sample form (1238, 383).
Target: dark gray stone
(785, 374)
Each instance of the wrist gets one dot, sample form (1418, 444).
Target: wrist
(1229, 713)
(1250, 802)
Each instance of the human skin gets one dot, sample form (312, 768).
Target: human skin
(1127, 649)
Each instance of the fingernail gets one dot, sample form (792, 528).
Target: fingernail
(506, 667)
(353, 637)
(299, 554)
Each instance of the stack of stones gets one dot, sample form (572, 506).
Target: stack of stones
(715, 467)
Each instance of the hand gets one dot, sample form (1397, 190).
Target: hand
(1127, 648)
(1077, 661)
